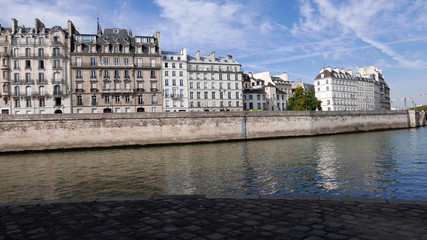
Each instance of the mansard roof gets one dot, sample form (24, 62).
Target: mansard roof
(207, 59)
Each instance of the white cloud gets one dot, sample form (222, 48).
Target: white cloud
(207, 24)
(370, 21)
(53, 13)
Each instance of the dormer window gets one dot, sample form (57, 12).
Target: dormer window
(116, 31)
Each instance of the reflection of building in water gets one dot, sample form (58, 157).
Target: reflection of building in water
(327, 165)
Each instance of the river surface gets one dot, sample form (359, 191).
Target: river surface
(384, 164)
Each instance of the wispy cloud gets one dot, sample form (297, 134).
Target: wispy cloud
(370, 21)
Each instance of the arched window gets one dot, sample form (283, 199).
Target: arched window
(28, 90)
(41, 90)
(56, 90)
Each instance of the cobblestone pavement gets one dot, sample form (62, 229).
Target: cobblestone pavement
(215, 217)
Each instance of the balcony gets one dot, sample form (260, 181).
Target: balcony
(57, 67)
(153, 89)
(148, 65)
(57, 81)
(94, 90)
(79, 90)
(59, 93)
(139, 90)
(57, 55)
(117, 90)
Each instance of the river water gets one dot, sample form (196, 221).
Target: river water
(384, 164)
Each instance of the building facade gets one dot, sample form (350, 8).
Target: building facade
(114, 71)
(263, 92)
(35, 69)
(341, 90)
(174, 81)
(214, 83)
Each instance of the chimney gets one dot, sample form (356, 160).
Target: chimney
(157, 36)
(251, 75)
(14, 25)
(130, 33)
(198, 55)
(229, 56)
(212, 56)
(37, 25)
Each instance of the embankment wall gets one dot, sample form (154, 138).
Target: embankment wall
(43, 132)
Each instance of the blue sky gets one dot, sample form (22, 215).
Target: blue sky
(298, 37)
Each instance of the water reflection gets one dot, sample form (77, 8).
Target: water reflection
(388, 164)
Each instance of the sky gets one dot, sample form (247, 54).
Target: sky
(294, 36)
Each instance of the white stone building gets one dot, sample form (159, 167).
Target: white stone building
(174, 81)
(35, 69)
(341, 90)
(214, 83)
(263, 92)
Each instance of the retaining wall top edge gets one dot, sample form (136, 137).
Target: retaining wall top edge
(100, 116)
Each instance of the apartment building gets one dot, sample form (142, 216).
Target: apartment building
(373, 72)
(264, 92)
(214, 83)
(341, 90)
(114, 71)
(174, 80)
(35, 69)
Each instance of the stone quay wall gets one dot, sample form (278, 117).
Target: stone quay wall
(67, 131)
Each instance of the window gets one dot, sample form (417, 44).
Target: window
(154, 99)
(166, 65)
(56, 52)
(27, 52)
(198, 95)
(126, 73)
(140, 101)
(173, 82)
(78, 74)
(213, 95)
(237, 86)
(166, 82)
(229, 85)
(92, 74)
(93, 101)
(56, 64)
(153, 74)
(116, 49)
(152, 62)
(41, 77)
(28, 102)
(191, 85)
(107, 99)
(41, 64)
(180, 65)
(167, 103)
(92, 62)
(106, 74)
(16, 64)
(116, 61)
(198, 85)
(116, 74)
(206, 95)
(28, 78)
(191, 95)
(117, 99)
(213, 85)
(173, 73)
(181, 73)
(41, 102)
(41, 41)
(220, 76)
(106, 61)
(139, 62)
(191, 76)
(166, 73)
(173, 65)
(181, 82)
(126, 61)
(127, 98)
(117, 85)
(229, 95)
(237, 95)
(27, 64)
(228, 76)
(17, 103)
(205, 85)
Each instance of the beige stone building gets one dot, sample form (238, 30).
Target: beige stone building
(214, 83)
(34, 69)
(114, 71)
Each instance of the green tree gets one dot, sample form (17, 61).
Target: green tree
(303, 100)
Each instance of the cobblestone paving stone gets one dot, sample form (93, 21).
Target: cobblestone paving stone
(200, 217)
